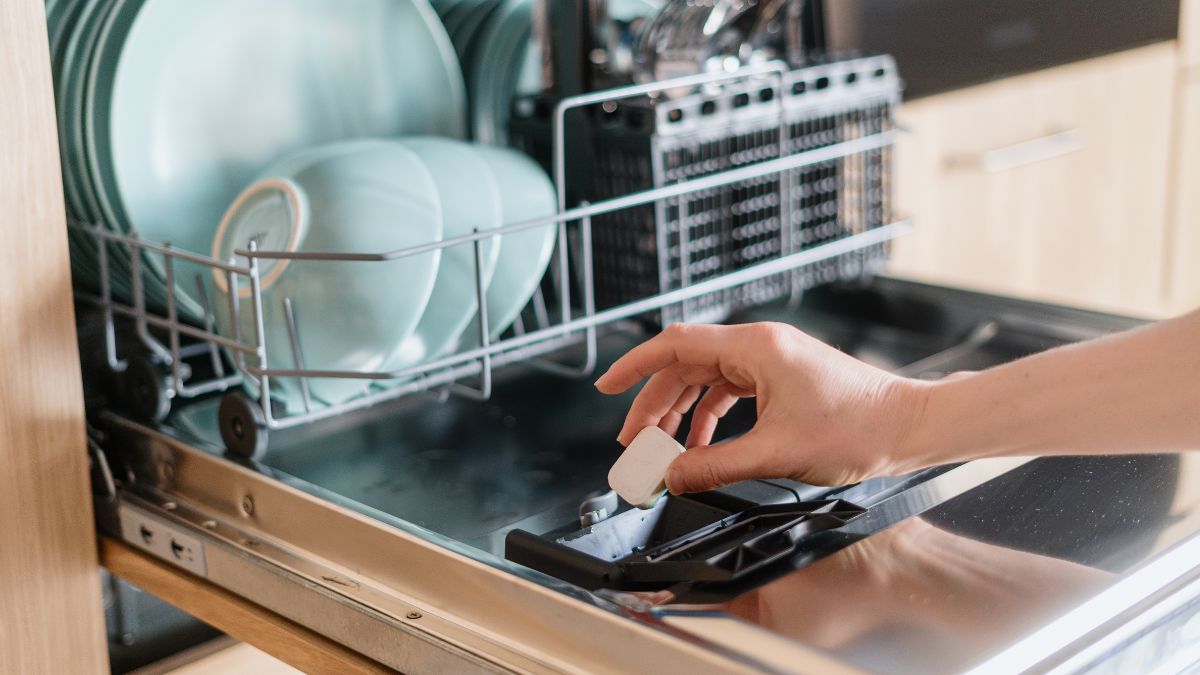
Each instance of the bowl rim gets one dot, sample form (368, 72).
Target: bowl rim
(298, 206)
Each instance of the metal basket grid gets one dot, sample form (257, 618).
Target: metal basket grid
(676, 242)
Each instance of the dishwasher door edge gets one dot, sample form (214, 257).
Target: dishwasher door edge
(406, 602)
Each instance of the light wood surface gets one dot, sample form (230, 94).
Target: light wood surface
(1189, 38)
(222, 655)
(51, 619)
(281, 638)
(1183, 240)
(1085, 227)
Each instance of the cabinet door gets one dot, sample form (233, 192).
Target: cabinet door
(1189, 35)
(1184, 238)
(1051, 185)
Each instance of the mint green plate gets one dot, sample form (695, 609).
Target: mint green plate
(193, 99)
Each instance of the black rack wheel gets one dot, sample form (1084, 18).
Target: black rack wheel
(243, 428)
(146, 389)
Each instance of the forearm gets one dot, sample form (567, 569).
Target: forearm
(1138, 391)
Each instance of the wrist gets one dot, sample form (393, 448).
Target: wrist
(923, 439)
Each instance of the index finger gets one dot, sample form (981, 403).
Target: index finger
(688, 344)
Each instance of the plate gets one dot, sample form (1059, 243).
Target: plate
(77, 56)
(509, 42)
(526, 193)
(201, 96)
(61, 16)
(472, 25)
(457, 14)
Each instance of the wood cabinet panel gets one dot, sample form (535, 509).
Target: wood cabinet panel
(50, 615)
(1183, 240)
(1189, 37)
(1051, 185)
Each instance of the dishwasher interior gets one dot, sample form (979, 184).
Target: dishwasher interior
(513, 483)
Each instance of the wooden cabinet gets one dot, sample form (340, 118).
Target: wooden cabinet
(1183, 236)
(1189, 35)
(51, 620)
(1052, 185)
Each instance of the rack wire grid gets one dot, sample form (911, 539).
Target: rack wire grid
(829, 178)
(674, 243)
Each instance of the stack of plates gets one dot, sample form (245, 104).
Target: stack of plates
(167, 109)
(500, 58)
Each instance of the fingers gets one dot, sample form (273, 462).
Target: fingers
(712, 466)
(652, 404)
(674, 417)
(689, 344)
(715, 404)
(662, 397)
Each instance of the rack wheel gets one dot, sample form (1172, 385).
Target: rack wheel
(146, 389)
(242, 426)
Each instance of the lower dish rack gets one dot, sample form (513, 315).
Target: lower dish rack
(781, 185)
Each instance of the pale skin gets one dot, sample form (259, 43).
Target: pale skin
(828, 419)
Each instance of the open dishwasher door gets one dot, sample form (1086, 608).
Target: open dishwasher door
(386, 529)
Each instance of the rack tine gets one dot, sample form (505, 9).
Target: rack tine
(110, 328)
(139, 303)
(485, 361)
(256, 307)
(589, 363)
(297, 355)
(589, 294)
(235, 313)
(210, 326)
(172, 318)
(564, 277)
(540, 313)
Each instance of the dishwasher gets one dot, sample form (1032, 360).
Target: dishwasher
(459, 520)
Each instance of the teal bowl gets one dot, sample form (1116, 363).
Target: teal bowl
(364, 196)
(471, 200)
(526, 193)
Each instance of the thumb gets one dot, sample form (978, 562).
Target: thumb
(708, 467)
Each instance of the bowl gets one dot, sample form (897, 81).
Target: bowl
(470, 201)
(364, 196)
(526, 193)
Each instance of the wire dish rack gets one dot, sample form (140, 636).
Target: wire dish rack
(751, 186)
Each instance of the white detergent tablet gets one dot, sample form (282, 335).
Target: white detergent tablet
(638, 476)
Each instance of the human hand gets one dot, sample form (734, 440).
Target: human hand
(824, 417)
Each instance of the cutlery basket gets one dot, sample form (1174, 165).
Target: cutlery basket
(674, 243)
